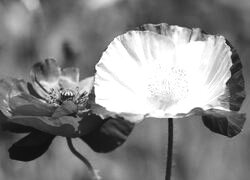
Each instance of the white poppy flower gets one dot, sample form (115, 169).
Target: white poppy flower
(167, 71)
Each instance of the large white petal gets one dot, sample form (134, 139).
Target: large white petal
(145, 73)
(119, 82)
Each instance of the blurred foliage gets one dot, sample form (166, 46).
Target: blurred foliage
(76, 33)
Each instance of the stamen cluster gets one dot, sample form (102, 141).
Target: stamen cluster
(57, 97)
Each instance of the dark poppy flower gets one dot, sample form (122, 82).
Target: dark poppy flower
(55, 103)
(165, 71)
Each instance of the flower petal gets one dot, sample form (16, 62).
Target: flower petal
(33, 92)
(45, 75)
(179, 35)
(105, 114)
(15, 128)
(63, 126)
(67, 126)
(223, 122)
(163, 71)
(112, 134)
(86, 85)
(48, 75)
(8, 88)
(234, 94)
(12, 86)
(71, 73)
(69, 78)
(67, 108)
(5, 125)
(119, 81)
(27, 105)
(31, 146)
(235, 85)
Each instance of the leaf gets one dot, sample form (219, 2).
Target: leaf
(224, 122)
(31, 146)
(110, 135)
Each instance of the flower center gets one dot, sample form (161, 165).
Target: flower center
(61, 95)
(166, 85)
(67, 95)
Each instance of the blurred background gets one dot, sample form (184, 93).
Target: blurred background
(76, 33)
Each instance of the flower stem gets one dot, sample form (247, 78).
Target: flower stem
(83, 159)
(170, 149)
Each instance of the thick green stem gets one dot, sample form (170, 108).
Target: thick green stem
(170, 149)
(83, 159)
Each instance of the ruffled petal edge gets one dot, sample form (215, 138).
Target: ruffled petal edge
(235, 93)
(224, 122)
